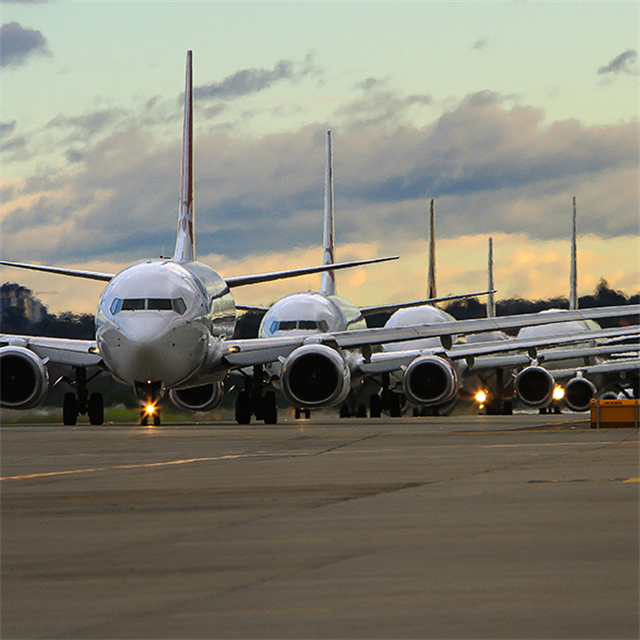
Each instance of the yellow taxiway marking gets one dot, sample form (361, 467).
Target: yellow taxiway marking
(632, 480)
(141, 465)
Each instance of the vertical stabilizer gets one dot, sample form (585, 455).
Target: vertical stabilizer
(328, 286)
(431, 284)
(491, 302)
(185, 240)
(573, 294)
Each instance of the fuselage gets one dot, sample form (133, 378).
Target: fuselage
(310, 312)
(158, 319)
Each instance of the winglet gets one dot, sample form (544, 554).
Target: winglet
(185, 240)
(328, 284)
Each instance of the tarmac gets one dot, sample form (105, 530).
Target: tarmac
(519, 526)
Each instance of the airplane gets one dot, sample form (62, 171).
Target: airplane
(165, 326)
(535, 375)
(310, 312)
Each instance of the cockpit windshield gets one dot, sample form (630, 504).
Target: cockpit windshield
(148, 304)
(304, 325)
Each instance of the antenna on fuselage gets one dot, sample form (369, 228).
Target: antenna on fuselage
(328, 284)
(185, 239)
(573, 294)
(431, 282)
(491, 303)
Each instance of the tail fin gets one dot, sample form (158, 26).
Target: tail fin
(328, 285)
(491, 303)
(185, 240)
(573, 294)
(431, 284)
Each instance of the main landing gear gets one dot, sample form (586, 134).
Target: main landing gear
(79, 402)
(253, 402)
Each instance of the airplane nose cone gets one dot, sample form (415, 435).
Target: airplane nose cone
(149, 348)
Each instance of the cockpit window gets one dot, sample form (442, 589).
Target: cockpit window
(150, 304)
(305, 325)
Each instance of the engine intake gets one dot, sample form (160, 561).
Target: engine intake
(24, 378)
(202, 398)
(534, 386)
(314, 376)
(430, 380)
(578, 394)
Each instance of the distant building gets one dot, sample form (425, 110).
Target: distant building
(15, 295)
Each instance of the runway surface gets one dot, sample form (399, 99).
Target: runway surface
(481, 527)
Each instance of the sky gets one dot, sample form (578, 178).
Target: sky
(500, 111)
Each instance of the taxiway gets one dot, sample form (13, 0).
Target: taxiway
(483, 527)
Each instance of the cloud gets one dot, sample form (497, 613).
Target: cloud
(624, 63)
(250, 81)
(493, 166)
(18, 44)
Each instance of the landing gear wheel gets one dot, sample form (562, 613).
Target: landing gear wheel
(375, 406)
(144, 419)
(156, 419)
(95, 409)
(361, 411)
(344, 411)
(70, 409)
(507, 408)
(269, 408)
(243, 408)
(394, 405)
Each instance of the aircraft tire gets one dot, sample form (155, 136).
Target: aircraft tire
(395, 410)
(95, 409)
(70, 409)
(243, 408)
(375, 406)
(269, 408)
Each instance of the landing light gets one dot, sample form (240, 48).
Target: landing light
(150, 409)
(481, 397)
(558, 393)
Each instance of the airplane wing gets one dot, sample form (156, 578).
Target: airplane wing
(612, 366)
(234, 281)
(250, 307)
(246, 352)
(76, 273)
(241, 281)
(367, 311)
(77, 353)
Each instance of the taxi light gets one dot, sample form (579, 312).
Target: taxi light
(150, 409)
(481, 397)
(558, 393)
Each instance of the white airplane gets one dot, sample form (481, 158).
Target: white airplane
(311, 312)
(166, 326)
(535, 375)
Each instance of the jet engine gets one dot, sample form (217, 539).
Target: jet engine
(578, 394)
(25, 378)
(202, 398)
(430, 380)
(534, 386)
(315, 375)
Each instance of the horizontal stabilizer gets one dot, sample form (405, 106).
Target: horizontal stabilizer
(241, 281)
(76, 273)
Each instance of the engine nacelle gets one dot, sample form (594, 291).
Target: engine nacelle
(202, 398)
(430, 380)
(534, 386)
(25, 378)
(315, 375)
(578, 394)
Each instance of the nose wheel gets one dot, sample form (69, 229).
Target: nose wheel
(154, 416)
